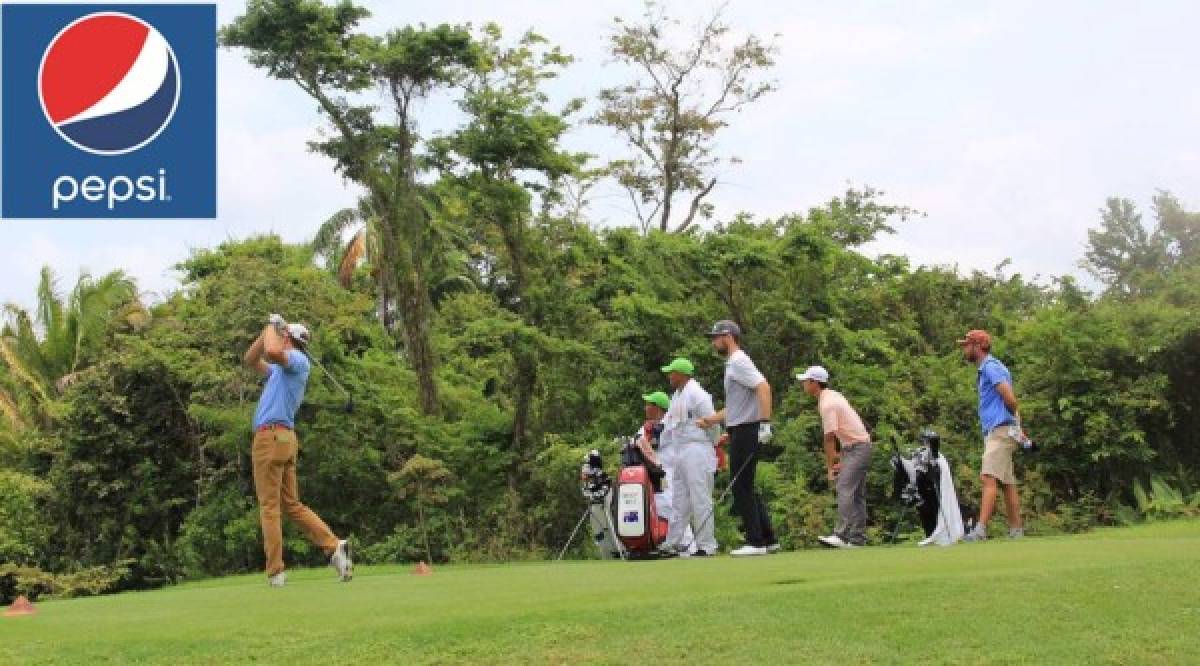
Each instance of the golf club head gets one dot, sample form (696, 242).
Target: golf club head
(349, 407)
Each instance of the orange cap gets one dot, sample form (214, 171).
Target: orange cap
(978, 337)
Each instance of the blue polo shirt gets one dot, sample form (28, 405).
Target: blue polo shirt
(992, 410)
(284, 392)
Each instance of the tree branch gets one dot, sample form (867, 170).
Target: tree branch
(687, 222)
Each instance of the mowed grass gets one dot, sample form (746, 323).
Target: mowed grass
(1112, 596)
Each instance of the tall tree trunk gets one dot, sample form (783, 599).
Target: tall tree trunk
(525, 354)
(415, 316)
(401, 239)
(386, 296)
(670, 161)
(664, 223)
(526, 382)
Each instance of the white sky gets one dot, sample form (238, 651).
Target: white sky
(1008, 123)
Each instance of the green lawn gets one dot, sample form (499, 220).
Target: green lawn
(1113, 596)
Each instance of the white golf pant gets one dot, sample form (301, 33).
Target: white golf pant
(691, 496)
(666, 508)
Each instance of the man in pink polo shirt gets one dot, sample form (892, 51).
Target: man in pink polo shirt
(847, 467)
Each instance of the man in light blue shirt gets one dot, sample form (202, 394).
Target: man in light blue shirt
(278, 354)
(1000, 419)
(284, 390)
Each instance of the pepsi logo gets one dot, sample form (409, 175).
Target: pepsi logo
(109, 83)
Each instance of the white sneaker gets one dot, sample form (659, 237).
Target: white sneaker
(278, 580)
(832, 541)
(773, 548)
(340, 561)
(976, 535)
(748, 550)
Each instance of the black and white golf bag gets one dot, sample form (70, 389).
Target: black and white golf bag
(923, 480)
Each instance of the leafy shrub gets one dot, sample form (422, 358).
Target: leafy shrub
(222, 535)
(23, 530)
(403, 545)
(34, 583)
(1162, 501)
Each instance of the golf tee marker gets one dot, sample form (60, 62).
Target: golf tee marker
(21, 606)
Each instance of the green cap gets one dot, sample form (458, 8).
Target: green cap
(681, 365)
(658, 398)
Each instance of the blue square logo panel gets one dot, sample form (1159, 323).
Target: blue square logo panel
(109, 111)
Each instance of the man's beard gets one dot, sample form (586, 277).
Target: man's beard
(723, 348)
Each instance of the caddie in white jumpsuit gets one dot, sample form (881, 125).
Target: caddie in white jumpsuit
(693, 460)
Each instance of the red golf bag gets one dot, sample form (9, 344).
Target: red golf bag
(639, 527)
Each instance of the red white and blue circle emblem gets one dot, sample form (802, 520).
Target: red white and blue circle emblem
(109, 83)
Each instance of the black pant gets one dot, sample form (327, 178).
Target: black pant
(743, 450)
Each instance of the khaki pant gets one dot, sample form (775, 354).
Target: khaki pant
(274, 455)
(998, 449)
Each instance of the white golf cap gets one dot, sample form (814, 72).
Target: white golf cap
(299, 334)
(815, 373)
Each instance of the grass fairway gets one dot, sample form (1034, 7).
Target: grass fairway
(1113, 596)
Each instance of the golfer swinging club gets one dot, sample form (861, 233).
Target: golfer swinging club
(278, 354)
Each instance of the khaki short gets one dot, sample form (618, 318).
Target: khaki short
(998, 449)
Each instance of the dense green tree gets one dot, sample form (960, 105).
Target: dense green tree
(507, 152)
(425, 481)
(316, 47)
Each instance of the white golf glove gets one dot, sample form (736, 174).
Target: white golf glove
(764, 432)
(277, 322)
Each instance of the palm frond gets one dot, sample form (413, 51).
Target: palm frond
(10, 410)
(355, 251)
(24, 340)
(328, 239)
(49, 303)
(20, 370)
(56, 337)
(92, 306)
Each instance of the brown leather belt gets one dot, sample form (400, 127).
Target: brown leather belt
(271, 426)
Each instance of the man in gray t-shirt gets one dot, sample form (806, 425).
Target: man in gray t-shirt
(747, 417)
(742, 380)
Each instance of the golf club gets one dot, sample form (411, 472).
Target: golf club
(721, 498)
(301, 344)
(349, 406)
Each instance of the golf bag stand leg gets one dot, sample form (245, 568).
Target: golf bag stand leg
(896, 528)
(903, 507)
(586, 513)
(608, 516)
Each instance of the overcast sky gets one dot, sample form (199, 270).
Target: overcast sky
(1007, 123)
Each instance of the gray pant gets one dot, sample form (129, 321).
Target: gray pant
(852, 493)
